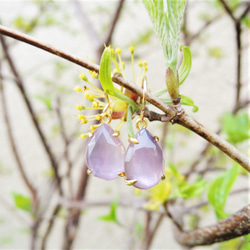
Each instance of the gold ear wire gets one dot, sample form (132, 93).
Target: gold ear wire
(141, 122)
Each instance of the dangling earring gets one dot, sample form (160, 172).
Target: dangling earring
(105, 151)
(144, 164)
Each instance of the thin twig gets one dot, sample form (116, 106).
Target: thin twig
(17, 157)
(22, 89)
(87, 25)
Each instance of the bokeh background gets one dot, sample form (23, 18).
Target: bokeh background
(49, 82)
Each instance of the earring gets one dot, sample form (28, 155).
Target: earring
(105, 151)
(144, 164)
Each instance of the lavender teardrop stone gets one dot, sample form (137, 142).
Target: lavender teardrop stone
(105, 153)
(144, 161)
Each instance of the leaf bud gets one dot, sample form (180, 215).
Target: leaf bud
(172, 83)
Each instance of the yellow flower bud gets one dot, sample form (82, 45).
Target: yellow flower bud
(83, 136)
(118, 51)
(140, 63)
(83, 121)
(78, 89)
(80, 117)
(132, 49)
(89, 96)
(84, 77)
(98, 117)
(95, 105)
(80, 107)
(94, 75)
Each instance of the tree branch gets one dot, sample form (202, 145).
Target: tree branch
(229, 228)
(22, 89)
(169, 111)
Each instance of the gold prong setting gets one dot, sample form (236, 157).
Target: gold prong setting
(133, 140)
(130, 182)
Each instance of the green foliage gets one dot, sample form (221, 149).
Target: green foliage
(236, 127)
(246, 21)
(166, 17)
(216, 52)
(46, 100)
(184, 189)
(111, 216)
(184, 101)
(105, 72)
(186, 64)
(22, 202)
(5, 241)
(219, 189)
(189, 102)
(106, 79)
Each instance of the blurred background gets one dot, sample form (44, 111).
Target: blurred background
(40, 143)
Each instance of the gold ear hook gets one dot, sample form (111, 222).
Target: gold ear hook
(141, 123)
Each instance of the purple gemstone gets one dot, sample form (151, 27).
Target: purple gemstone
(105, 153)
(144, 161)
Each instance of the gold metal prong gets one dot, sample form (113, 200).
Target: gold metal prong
(133, 140)
(122, 174)
(89, 171)
(156, 138)
(116, 134)
(130, 182)
(163, 177)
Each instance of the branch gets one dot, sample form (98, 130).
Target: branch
(87, 25)
(22, 89)
(229, 228)
(113, 23)
(19, 163)
(169, 111)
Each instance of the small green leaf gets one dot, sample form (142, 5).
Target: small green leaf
(192, 190)
(161, 92)
(106, 79)
(105, 72)
(46, 100)
(219, 189)
(186, 64)
(126, 99)
(22, 202)
(236, 127)
(184, 101)
(189, 102)
(111, 217)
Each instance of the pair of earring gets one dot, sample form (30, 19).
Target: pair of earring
(142, 164)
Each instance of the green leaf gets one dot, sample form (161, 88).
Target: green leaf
(219, 189)
(105, 72)
(184, 101)
(246, 20)
(161, 92)
(236, 127)
(192, 190)
(22, 202)
(166, 16)
(129, 121)
(111, 216)
(188, 102)
(126, 99)
(46, 100)
(106, 79)
(185, 65)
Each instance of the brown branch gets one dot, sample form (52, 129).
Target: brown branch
(66, 144)
(17, 157)
(22, 89)
(234, 226)
(228, 10)
(169, 111)
(50, 226)
(87, 25)
(113, 23)
(213, 138)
